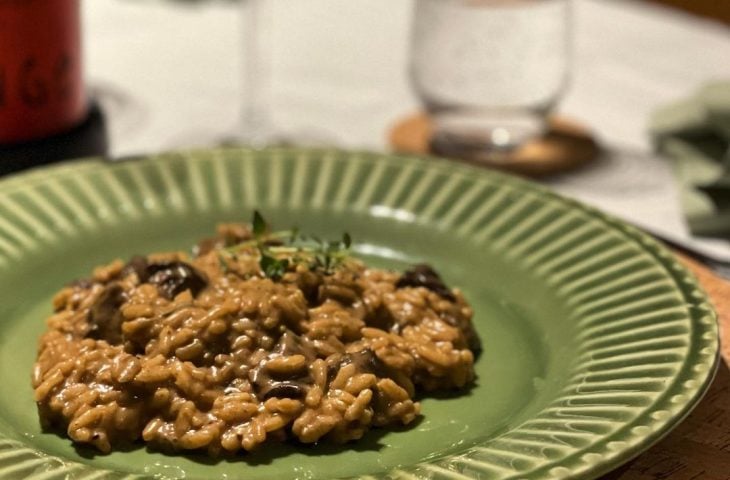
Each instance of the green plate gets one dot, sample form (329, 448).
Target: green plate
(597, 342)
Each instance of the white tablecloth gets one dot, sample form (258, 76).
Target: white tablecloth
(169, 76)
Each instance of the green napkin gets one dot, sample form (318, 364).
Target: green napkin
(695, 135)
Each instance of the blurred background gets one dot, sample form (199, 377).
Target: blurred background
(172, 71)
(198, 73)
(635, 116)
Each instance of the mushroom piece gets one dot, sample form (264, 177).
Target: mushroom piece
(104, 315)
(425, 276)
(171, 278)
(269, 384)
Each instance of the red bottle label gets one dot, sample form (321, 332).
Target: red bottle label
(41, 77)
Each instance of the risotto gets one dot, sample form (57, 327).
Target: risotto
(255, 337)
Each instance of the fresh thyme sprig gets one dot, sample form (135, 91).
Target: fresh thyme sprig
(280, 250)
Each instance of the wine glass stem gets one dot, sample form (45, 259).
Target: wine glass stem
(256, 71)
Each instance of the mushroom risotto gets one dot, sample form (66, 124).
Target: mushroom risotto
(256, 336)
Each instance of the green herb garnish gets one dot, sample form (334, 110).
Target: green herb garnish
(259, 225)
(273, 267)
(280, 250)
(222, 263)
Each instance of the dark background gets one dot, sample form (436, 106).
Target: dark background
(716, 9)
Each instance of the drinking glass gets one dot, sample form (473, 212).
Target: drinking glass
(323, 72)
(488, 72)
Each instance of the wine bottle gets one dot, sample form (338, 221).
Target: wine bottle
(45, 112)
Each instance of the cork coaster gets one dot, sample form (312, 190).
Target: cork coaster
(566, 146)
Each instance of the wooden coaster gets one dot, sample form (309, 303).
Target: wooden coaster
(564, 147)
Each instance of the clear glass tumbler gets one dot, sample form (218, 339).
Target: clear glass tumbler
(489, 71)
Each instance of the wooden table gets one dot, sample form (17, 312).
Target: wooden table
(714, 9)
(699, 448)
